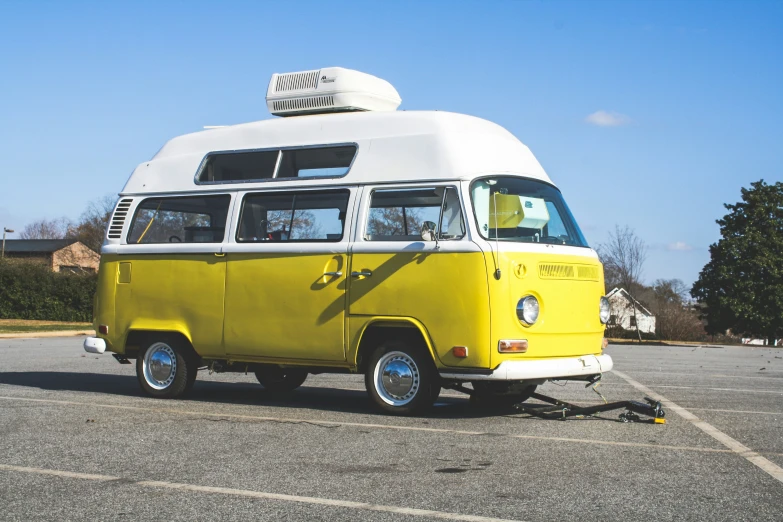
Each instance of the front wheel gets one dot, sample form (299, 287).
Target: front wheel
(165, 370)
(401, 380)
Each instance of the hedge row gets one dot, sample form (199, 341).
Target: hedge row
(32, 291)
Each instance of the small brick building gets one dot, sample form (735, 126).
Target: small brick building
(60, 255)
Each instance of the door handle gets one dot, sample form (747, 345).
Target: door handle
(365, 273)
(220, 254)
(332, 274)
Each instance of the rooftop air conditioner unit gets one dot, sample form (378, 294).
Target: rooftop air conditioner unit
(332, 89)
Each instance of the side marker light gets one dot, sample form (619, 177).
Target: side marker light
(460, 351)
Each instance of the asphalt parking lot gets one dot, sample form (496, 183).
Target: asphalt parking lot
(78, 441)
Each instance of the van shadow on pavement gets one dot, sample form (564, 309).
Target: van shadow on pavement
(306, 397)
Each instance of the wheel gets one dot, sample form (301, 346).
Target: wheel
(277, 379)
(401, 380)
(501, 394)
(165, 369)
(191, 378)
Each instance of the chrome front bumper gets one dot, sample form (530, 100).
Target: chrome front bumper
(537, 369)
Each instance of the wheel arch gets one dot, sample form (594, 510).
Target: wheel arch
(381, 329)
(137, 339)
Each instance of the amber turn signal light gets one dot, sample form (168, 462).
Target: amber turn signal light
(460, 351)
(512, 346)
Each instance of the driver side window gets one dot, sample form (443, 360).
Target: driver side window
(399, 214)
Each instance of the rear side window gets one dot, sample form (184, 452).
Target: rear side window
(316, 162)
(239, 166)
(398, 215)
(246, 166)
(180, 220)
(299, 216)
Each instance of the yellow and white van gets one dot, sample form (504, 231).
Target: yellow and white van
(421, 249)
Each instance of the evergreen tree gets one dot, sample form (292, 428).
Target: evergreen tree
(742, 285)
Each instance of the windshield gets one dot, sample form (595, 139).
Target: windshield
(523, 210)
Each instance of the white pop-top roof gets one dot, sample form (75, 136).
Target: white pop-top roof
(392, 147)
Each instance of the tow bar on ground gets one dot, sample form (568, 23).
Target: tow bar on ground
(561, 410)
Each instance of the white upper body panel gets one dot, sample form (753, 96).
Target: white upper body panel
(392, 147)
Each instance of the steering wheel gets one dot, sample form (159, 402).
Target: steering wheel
(172, 238)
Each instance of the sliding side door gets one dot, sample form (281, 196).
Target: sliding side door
(286, 272)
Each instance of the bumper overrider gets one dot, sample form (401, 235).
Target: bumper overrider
(537, 369)
(94, 345)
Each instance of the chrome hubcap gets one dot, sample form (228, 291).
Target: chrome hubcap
(160, 366)
(397, 378)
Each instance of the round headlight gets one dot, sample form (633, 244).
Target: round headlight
(527, 310)
(604, 311)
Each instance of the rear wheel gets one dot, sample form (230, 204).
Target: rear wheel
(401, 380)
(165, 369)
(277, 379)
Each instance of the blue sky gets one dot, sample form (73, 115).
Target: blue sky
(686, 98)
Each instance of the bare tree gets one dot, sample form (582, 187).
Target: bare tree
(676, 317)
(46, 229)
(623, 256)
(394, 221)
(671, 291)
(93, 222)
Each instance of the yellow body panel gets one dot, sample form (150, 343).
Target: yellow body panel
(568, 289)
(282, 306)
(104, 309)
(171, 292)
(445, 292)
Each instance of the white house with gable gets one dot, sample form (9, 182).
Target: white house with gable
(622, 315)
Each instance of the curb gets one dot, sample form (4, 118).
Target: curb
(36, 335)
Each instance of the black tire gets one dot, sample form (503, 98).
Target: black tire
(191, 379)
(411, 386)
(152, 364)
(277, 379)
(500, 394)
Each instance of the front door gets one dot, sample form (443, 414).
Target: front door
(397, 273)
(285, 276)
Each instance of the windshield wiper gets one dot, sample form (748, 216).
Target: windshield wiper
(554, 240)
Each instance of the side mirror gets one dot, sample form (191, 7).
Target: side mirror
(428, 232)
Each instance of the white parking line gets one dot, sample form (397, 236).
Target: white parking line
(666, 373)
(443, 515)
(289, 420)
(706, 388)
(737, 447)
(741, 411)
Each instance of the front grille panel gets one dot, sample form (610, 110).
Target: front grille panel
(568, 271)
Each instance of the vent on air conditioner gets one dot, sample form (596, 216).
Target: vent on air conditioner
(296, 104)
(118, 219)
(297, 81)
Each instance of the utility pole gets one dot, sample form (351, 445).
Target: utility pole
(5, 231)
